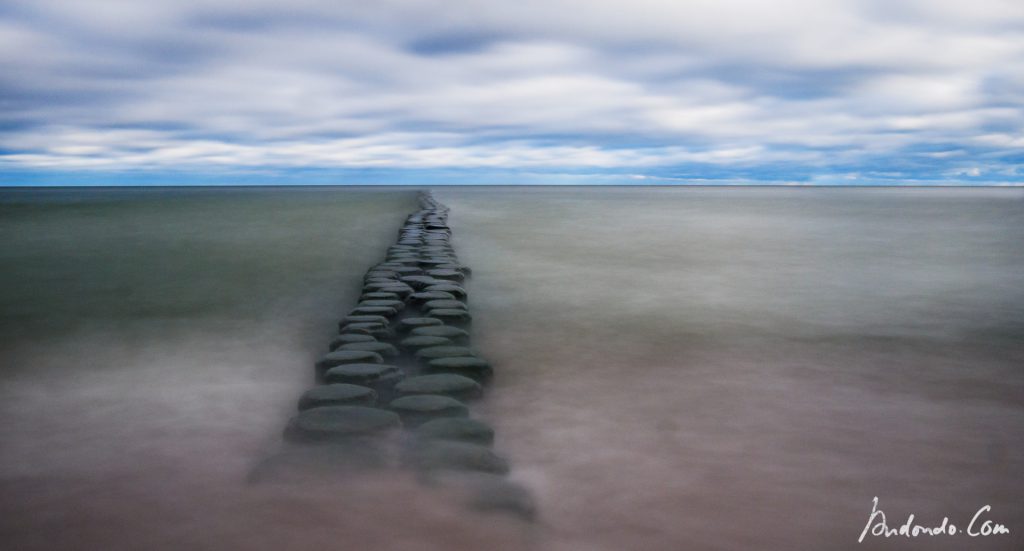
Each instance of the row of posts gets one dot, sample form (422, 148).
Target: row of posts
(397, 385)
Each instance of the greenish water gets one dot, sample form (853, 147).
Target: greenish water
(79, 257)
(677, 368)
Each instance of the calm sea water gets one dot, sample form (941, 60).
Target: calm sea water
(677, 368)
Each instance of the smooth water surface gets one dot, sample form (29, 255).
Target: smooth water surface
(677, 368)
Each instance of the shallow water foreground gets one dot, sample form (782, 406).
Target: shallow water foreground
(676, 368)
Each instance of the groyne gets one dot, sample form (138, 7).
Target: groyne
(397, 387)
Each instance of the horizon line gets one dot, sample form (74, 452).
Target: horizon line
(420, 185)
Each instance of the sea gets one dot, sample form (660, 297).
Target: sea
(706, 368)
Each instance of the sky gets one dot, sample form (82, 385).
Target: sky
(802, 92)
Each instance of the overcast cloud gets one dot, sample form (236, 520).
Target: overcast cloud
(789, 90)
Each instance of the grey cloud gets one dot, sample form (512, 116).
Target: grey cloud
(568, 83)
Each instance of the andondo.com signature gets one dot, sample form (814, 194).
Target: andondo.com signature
(978, 526)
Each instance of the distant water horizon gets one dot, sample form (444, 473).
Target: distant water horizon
(702, 184)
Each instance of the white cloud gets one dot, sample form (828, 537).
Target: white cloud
(553, 83)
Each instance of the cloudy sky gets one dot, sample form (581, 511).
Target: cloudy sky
(526, 91)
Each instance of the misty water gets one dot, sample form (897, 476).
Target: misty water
(676, 368)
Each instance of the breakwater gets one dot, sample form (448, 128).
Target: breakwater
(397, 385)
